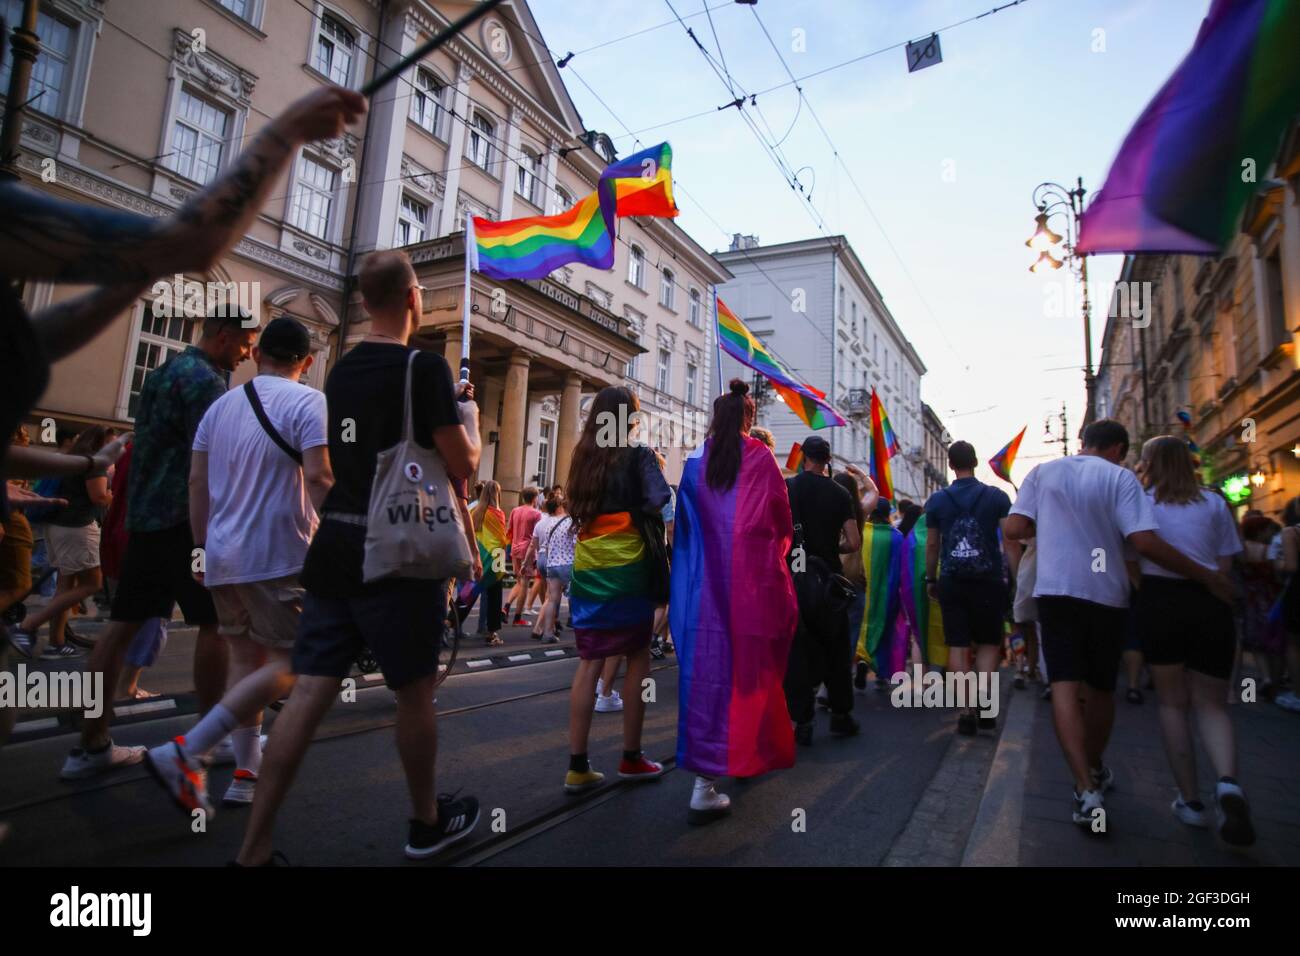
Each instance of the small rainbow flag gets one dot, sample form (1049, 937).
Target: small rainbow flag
(535, 246)
(1001, 462)
(794, 461)
(884, 446)
(643, 183)
(742, 345)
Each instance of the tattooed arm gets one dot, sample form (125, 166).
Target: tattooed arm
(46, 238)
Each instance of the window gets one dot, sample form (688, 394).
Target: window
(636, 267)
(240, 8)
(692, 383)
(478, 144)
(839, 303)
(563, 201)
(411, 221)
(313, 197)
(45, 90)
(528, 180)
(667, 288)
(1276, 307)
(664, 379)
(334, 46)
(428, 106)
(853, 312)
(693, 314)
(160, 338)
(875, 348)
(198, 138)
(544, 453)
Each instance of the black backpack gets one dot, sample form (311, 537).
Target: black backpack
(821, 592)
(966, 552)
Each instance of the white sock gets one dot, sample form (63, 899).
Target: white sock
(247, 742)
(209, 731)
(600, 687)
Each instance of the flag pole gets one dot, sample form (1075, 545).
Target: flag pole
(418, 54)
(471, 247)
(717, 342)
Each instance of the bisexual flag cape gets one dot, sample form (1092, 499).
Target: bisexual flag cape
(879, 642)
(733, 614)
(920, 611)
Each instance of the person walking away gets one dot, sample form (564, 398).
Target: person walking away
(1289, 565)
(259, 470)
(1023, 558)
(881, 641)
(490, 531)
(523, 518)
(615, 495)
(921, 614)
(963, 566)
(732, 609)
(538, 555)
(851, 565)
(376, 393)
(1261, 633)
(819, 654)
(1083, 510)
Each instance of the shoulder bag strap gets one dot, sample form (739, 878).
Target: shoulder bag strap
(265, 422)
(408, 416)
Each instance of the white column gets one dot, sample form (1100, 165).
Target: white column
(552, 172)
(509, 165)
(455, 152)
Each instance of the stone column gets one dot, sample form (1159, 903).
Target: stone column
(514, 429)
(566, 439)
(451, 351)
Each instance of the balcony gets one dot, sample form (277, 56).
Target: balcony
(858, 403)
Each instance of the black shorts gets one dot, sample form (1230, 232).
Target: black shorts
(400, 620)
(1082, 640)
(1182, 623)
(973, 610)
(157, 575)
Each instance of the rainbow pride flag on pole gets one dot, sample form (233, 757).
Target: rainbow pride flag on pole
(535, 246)
(733, 615)
(884, 446)
(642, 183)
(747, 349)
(1001, 462)
(1178, 183)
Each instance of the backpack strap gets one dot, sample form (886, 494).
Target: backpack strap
(267, 427)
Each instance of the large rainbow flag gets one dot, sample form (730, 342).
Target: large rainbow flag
(747, 349)
(493, 539)
(642, 183)
(1179, 182)
(534, 247)
(882, 562)
(1001, 462)
(920, 611)
(609, 591)
(733, 616)
(884, 446)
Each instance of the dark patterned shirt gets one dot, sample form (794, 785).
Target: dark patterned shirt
(172, 402)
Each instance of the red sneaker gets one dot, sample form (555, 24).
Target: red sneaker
(642, 768)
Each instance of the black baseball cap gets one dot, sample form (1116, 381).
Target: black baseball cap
(815, 448)
(285, 339)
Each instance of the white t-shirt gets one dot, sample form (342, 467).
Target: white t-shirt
(1203, 530)
(260, 518)
(562, 543)
(542, 531)
(1084, 507)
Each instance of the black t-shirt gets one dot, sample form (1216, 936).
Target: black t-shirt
(365, 392)
(823, 507)
(638, 486)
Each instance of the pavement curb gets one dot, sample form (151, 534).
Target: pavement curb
(995, 838)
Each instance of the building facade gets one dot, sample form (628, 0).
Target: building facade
(138, 105)
(1216, 340)
(934, 467)
(814, 304)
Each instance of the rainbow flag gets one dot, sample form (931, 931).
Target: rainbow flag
(882, 563)
(884, 446)
(1001, 462)
(746, 348)
(492, 540)
(920, 611)
(534, 247)
(733, 615)
(1178, 183)
(794, 461)
(642, 183)
(609, 591)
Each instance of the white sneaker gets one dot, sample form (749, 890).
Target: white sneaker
(610, 704)
(1086, 806)
(1288, 701)
(1193, 816)
(1233, 814)
(82, 763)
(241, 789)
(707, 804)
(181, 775)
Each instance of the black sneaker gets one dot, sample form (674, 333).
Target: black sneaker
(843, 725)
(657, 650)
(1103, 778)
(456, 820)
(823, 702)
(803, 734)
(860, 676)
(988, 723)
(550, 639)
(966, 725)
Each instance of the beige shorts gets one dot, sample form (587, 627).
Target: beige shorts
(263, 611)
(73, 549)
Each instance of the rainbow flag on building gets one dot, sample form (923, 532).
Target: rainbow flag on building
(535, 246)
(732, 612)
(1179, 181)
(642, 183)
(1001, 462)
(884, 446)
(747, 349)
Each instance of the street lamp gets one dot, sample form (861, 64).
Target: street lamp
(1051, 199)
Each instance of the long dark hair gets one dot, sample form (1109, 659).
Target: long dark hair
(847, 482)
(595, 461)
(733, 414)
(90, 441)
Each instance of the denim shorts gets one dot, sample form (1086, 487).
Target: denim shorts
(559, 572)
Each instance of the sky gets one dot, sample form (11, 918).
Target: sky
(947, 157)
